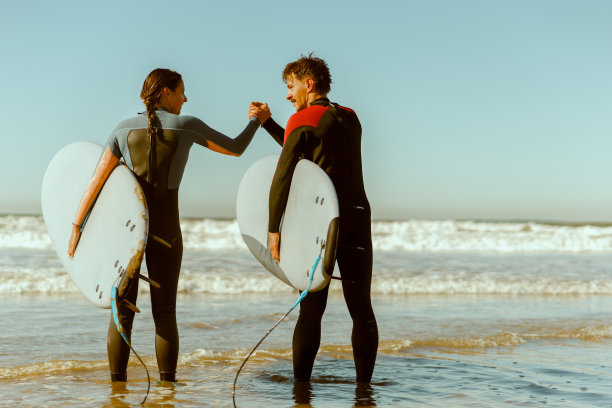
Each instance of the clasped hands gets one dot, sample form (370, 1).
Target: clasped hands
(259, 110)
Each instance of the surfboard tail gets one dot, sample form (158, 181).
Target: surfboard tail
(331, 245)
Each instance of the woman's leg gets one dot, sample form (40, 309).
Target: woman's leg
(164, 266)
(117, 349)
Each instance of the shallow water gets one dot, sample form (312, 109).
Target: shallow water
(460, 350)
(464, 328)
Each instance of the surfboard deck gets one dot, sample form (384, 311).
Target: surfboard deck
(114, 237)
(309, 228)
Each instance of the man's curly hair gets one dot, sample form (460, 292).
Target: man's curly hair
(311, 67)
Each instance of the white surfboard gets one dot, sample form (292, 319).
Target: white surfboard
(115, 234)
(309, 227)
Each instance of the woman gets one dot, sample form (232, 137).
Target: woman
(155, 146)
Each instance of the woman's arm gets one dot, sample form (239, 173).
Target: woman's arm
(208, 137)
(106, 165)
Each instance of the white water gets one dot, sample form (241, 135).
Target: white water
(410, 257)
(414, 236)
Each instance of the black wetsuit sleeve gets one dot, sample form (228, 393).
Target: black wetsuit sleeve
(206, 136)
(275, 130)
(279, 190)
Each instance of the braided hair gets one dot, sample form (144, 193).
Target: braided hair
(151, 94)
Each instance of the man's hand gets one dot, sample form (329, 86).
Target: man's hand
(274, 238)
(260, 110)
(74, 240)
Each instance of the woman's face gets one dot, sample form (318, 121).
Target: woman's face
(175, 99)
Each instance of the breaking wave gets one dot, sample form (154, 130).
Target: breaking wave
(413, 236)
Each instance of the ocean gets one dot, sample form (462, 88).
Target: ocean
(470, 314)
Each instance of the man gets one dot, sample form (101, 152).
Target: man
(330, 136)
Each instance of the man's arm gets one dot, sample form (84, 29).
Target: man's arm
(275, 130)
(279, 190)
(262, 112)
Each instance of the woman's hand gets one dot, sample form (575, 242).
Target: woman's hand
(74, 240)
(274, 238)
(260, 110)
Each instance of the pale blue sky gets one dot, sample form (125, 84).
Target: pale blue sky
(470, 109)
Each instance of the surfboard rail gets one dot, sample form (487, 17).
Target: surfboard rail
(114, 237)
(309, 227)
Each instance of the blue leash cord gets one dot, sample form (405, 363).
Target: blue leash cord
(115, 312)
(302, 296)
(304, 293)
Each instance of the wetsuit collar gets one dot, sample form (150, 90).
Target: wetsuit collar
(320, 101)
(161, 108)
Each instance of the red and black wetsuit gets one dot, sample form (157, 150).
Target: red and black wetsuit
(330, 136)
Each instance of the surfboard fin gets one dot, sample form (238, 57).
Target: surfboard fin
(151, 281)
(161, 241)
(340, 279)
(131, 306)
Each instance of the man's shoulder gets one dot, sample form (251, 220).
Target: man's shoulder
(344, 108)
(306, 117)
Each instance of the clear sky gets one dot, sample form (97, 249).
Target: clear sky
(470, 109)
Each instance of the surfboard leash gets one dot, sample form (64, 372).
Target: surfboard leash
(119, 326)
(302, 296)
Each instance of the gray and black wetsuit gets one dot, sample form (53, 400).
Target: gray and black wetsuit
(158, 164)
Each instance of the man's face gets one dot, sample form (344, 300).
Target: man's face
(297, 92)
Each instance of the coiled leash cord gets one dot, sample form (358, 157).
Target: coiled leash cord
(302, 296)
(115, 312)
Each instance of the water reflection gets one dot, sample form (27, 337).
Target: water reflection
(364, 395)
(302, 394)
(119, 392)
(162, 394)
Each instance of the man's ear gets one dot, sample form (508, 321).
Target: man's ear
(310, 85)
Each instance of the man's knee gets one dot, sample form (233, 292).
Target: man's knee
(164, 314)
(366, 326)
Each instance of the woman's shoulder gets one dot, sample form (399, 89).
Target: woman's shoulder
(134, 122)
(186, 122)
(189, 119)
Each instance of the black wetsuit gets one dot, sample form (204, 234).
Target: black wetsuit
(158, 165)
(330, 136)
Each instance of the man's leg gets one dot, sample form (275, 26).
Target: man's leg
(307, 333)
(355, 263)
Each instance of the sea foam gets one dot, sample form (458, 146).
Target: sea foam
(412, 236)
(258, 282)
